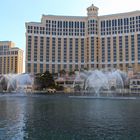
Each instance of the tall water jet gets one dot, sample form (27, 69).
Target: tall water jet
(98, 81)
(95, 81)
(15, 82)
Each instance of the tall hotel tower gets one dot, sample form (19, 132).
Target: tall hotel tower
(71, 42)
(11, 58)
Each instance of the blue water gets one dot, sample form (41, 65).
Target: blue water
(63, 118)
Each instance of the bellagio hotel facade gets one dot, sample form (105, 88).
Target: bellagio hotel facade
(78, 42)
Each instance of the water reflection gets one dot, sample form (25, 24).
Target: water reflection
(12, 118)
(58, 118)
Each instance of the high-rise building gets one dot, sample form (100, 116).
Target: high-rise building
(75, 42)
(11, 58)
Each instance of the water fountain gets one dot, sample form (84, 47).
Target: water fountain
(102, 81)
(15, 82)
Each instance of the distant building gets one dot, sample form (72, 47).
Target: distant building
(11, 58)
(70, 83)
(77, 42)
(130, 72)
(134, 84)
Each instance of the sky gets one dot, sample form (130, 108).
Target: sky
(14, 13)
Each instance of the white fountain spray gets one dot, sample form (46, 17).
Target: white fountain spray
(99, 80)
(16, 82)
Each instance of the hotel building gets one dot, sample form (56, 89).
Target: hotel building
(77, 42)
(11, 58)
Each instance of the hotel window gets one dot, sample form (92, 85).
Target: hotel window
(82, 28)
(58, 67)
(138, 43)
(103, 49)
(41, 48)
(109, 49)
(59, 24)
(82, 50)
(137, 23)
(47, 48)
(65, 50)
(113, 26)
(42, 30)
(29, 48)
(70, 28)
(70, 67)
(132, 24)
(120, 26)
(126, 49)
(48, 27)
(102, 27)
(53, 49)
(114, 49)
(92, 27)
(8, 64)
(35, 47)
(132, 48)
(70, 50)
(108, 27)
(5, 65)
(92, 49)
(120, 49)
(11, 63)
(53, 27)
(65, 66)
(59, 28)
(47, 67)
(41, 68)
(36, 30)
(35, 68)
(16, 52)
(29, 29)
(126, 25)
(65, 28)
(59, 49)
(28, 67)
(76, 50)
(77, 29)
(53, 68)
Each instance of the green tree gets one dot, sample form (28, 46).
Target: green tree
(44, 80)
(71, 73)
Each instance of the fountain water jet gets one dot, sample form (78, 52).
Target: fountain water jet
(15, 82)
(98, 81)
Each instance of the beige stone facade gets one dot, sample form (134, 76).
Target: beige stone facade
(71, 42)
(11, 58)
